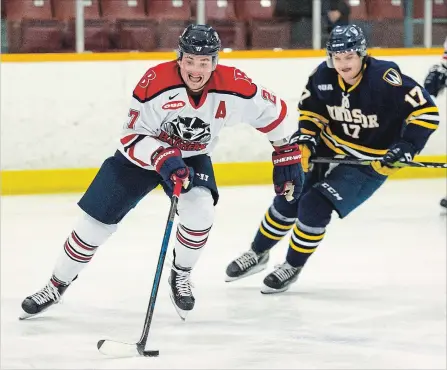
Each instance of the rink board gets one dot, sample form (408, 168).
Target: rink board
(52, 164)
(227, 174)
(233, 54)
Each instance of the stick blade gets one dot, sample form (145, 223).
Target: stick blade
(120, 349)
(117, 349)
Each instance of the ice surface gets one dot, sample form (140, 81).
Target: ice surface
(373, 296)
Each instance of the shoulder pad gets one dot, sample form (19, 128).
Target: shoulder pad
(387, 70)
(323, 71)
(323, 76)
(157, 80)
(232, 80)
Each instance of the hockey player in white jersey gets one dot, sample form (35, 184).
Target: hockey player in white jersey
(435, 83)
(177, 112)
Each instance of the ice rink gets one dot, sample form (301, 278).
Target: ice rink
(373, 296)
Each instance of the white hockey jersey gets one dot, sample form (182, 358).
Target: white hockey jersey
(163, 114)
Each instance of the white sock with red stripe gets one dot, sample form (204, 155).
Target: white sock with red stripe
(80, 247)
(188, 245)
(196, 215)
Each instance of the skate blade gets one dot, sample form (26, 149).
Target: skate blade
(267, 290)
(180, 312)
(253, 271)
(24, 315)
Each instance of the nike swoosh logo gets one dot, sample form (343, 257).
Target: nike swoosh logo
(172, 97)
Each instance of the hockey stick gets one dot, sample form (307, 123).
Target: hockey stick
(360, 162)
(121, 349)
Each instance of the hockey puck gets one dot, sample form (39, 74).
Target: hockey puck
(443, 203)
(154, 353)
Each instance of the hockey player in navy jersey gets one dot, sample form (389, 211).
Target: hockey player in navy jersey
(177, 111)
(353, 105)
(436, 82)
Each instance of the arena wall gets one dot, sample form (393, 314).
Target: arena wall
(61, 114)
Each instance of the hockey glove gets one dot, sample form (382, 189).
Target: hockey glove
(400, 152)
(168, 162)
(288, 176)
(436, 79)
(307, 144)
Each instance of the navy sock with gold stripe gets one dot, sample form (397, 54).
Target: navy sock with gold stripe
(273, 228)
(303, 242)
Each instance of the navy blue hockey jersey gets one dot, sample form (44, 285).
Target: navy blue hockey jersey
(365, 119)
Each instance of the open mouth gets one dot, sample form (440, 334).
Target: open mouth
(346, 70)
(194, 79)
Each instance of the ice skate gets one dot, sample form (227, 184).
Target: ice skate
(247, 264)
(280, 280)
(43, 299)
(180, 292)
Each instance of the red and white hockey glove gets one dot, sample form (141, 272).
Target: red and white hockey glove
(288, 175)
(168, 162)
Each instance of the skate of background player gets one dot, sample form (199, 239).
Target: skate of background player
(235, 173)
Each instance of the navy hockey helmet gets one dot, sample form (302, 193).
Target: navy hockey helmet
(344, 39)
(199, 39)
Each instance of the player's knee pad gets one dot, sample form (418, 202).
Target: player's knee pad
(283, 207)
(314, 209)
(196, 208)
(92, 231)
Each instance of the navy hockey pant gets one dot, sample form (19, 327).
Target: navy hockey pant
(120, 185)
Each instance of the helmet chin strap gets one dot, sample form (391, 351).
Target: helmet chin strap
(362, 67)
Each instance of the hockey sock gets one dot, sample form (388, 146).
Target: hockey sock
(188, 246)
(273, 228)
(314, 214)
(303, 243)
(196, 216)
(80, 247)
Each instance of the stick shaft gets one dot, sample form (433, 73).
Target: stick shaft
(161, 259)
(360, 162)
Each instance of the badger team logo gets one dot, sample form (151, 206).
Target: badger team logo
(186, 133)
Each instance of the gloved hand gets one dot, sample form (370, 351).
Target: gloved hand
(436, 79)
(400, 152)
(288, 176)
(307, 144)
(168, 162)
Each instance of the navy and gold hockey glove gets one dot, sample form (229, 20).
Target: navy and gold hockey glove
(307, 144)
(400, 152)
(288, 176)
(168, 162)
(436, 79)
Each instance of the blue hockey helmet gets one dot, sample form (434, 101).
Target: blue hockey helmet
(344, 39)
(199, 39)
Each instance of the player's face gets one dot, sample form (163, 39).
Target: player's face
(196, 70)
(347, 65)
